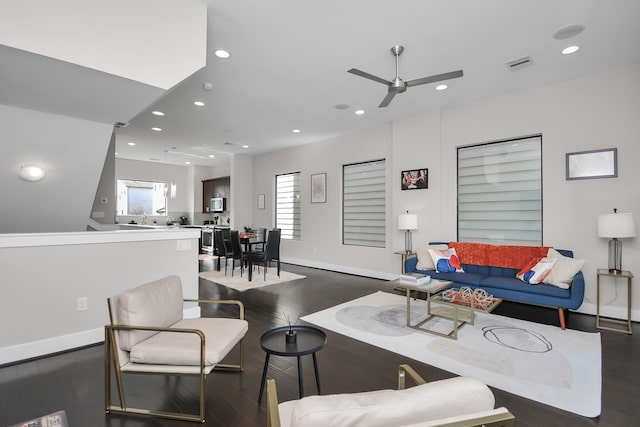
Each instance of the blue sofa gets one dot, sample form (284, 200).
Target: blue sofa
(501, 282)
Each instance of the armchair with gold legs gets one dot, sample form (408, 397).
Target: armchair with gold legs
(454, 402)
(148, 335)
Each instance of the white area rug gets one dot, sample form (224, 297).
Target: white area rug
(242, 283)
(539, 362)
(207, 257)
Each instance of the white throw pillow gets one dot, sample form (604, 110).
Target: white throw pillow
(425, 262)
(564, 269)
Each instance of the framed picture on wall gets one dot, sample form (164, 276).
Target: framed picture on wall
(260, 201)
(592, 164)
(319, 188)
(415, 179)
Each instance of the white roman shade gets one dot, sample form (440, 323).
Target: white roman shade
(288, 205)
(500, 192)
(364, 208)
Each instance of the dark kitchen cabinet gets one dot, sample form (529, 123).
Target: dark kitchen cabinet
(217, 187)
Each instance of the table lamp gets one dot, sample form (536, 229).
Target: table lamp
(616, 226)
(407, 222)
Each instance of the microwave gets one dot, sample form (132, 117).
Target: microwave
(218, 204)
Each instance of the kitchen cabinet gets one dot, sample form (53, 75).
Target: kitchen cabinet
(217, 187)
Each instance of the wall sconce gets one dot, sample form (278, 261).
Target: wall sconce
(31, 173)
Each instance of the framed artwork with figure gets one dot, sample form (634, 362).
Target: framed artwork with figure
(415, 179)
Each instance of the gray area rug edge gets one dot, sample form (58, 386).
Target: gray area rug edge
(539, 362)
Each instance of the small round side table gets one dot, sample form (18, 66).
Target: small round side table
(309, 340)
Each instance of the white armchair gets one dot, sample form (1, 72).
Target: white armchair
(454, 402)
(148, 335)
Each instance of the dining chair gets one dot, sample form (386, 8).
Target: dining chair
(236, 251)
(221, 249)
(271, 252)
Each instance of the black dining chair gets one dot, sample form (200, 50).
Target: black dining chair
(271, 252)
(236, 251)
(261, 235)
(221, 249)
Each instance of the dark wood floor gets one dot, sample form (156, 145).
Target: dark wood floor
(74, 381)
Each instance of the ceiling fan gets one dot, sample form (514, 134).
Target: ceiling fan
(397, 85)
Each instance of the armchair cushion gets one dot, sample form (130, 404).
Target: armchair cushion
(158, 303)
(169, 348)
(430, 401)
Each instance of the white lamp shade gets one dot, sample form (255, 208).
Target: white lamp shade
(616, 225)
(408, 222)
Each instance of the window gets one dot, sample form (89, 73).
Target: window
(364, 204)
(141, 197)
(500, 192)
(288, 205)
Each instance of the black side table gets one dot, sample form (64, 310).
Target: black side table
(308, 341)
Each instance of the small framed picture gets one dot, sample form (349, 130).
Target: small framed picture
(260, 201)
(592, 164)
(319, 188)
(415, 179)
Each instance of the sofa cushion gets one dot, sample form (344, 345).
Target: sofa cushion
(446, 260)
(564, 269)
(425, 262)
(158, 303)
(536, 270)
(494, 285)
(430, 401)
(460, 278)
(172, 348)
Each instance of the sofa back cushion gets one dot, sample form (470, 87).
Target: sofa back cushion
(158, 303)
(431, 401)
(507, 256)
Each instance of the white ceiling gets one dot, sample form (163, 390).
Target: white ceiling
(289, 62)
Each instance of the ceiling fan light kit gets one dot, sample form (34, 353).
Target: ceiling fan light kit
(397, 85)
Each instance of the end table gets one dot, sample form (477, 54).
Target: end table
(405, 256)
(599, 319)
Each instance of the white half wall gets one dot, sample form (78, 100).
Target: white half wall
(43, 275)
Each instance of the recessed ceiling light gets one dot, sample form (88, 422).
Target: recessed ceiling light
(157, 129)
(187, 163)
(131, 143)
(441, 87)
(569, 50)
(359, 112)
(296, 131)
(199, 103)
(211, 156)
(245, 146)
(157, 113)
(220, 53)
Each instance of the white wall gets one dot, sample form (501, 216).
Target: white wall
(72, 151)
(321, 239)
(242, 199)
(596, 112)
(38, 307)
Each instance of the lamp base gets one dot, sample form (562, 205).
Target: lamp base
(615, 256)
(407, 242)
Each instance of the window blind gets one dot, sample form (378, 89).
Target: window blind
(500, 192)
(364, 208)
(288, 205)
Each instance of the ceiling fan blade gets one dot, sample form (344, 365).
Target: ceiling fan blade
(387, 99)
(368, 76)
(436, 78)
